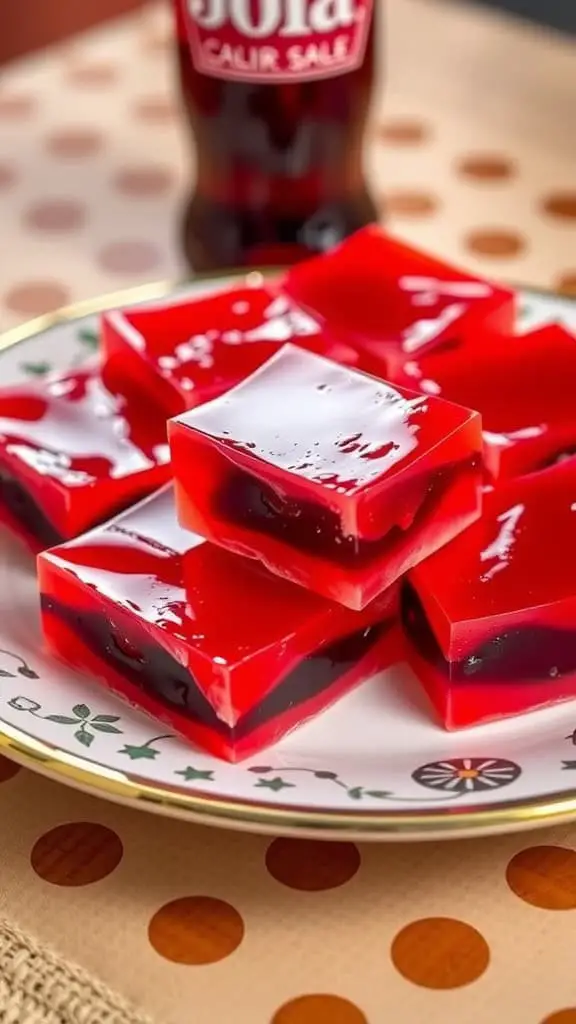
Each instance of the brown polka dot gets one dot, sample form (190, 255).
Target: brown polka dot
(74, 143)
(544, 876)
(566, 283)
(92, 75)
(8, 768)
(142, 182)
(567, 1016)
(158, 41)
(55, 215)
(495, 242)
(32, 298)
(319, 1009)
(156, 108)
(311, 865)
(410, 204)
(561, 205)
(404, 132)
(16, 106)
(131, 257)
(440, 953)
(7, 176)
(77, 853)
(486, 167)
(196, 930)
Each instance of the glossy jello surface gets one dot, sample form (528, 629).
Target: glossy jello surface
(74, 450)
(395, 301)
(491, 618)
(229, 655)
(523, 386)
(189, 351)
(330, 477)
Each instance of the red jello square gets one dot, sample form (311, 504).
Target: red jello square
(392, 301)
(331, 478)
(524, 388)
(490, 620)
(228, 655)
(186, 352)
(74, 450)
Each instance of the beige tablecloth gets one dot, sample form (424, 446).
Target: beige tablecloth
(472, 149)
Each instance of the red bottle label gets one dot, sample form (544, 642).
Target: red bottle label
(277, 40)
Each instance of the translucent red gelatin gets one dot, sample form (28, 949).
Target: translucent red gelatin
(524, 387)
(184, 353)
(331, 478)
(393, 301)
(73, 451)
(490, 620)
(230, 656)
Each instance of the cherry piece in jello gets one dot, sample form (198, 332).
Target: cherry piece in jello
(490, 620)
(331, 478)
(188, 351)
(74, 450)
(523, 386)
(226, 654)
(392, 301)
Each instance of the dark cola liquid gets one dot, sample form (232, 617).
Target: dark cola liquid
(280, 173)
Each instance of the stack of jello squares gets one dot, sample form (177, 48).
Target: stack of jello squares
(353, 464)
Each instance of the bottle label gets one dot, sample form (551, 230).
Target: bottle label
(277, 40)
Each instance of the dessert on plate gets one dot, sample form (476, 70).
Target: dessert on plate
(394, 302)
(229, 655)
(331, 478)
(74, 450)
(188, 351)
(366, 425)
(490, 620)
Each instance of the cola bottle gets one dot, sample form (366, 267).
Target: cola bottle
(277, 94)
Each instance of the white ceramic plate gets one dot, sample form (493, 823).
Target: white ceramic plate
(376, 766)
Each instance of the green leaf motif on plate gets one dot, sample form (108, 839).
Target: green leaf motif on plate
(85, 738)
(39, 369)
(81, 711)
(88, 337)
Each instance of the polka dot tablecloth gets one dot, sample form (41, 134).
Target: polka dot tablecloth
(471, 152)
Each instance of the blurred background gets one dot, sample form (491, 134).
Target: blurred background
(471, 148)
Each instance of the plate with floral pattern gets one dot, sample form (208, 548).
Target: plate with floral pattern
(375, 766)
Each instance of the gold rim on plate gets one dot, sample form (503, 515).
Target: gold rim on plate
(239, 813)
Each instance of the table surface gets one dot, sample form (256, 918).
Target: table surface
(472, 150)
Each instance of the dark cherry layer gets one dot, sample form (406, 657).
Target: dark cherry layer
(523, 387)
(186, 352)
(74, 449)
(231, 656)
(394, 302)
(26, 513)
(153, 669)
(346, 466)
(311, 528)
(525, 654)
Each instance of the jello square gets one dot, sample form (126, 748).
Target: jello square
(188, 351)
(393, 302)
(221, 651)
(490, 620)
(329, 477)
(74, 450)
(524, 388)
